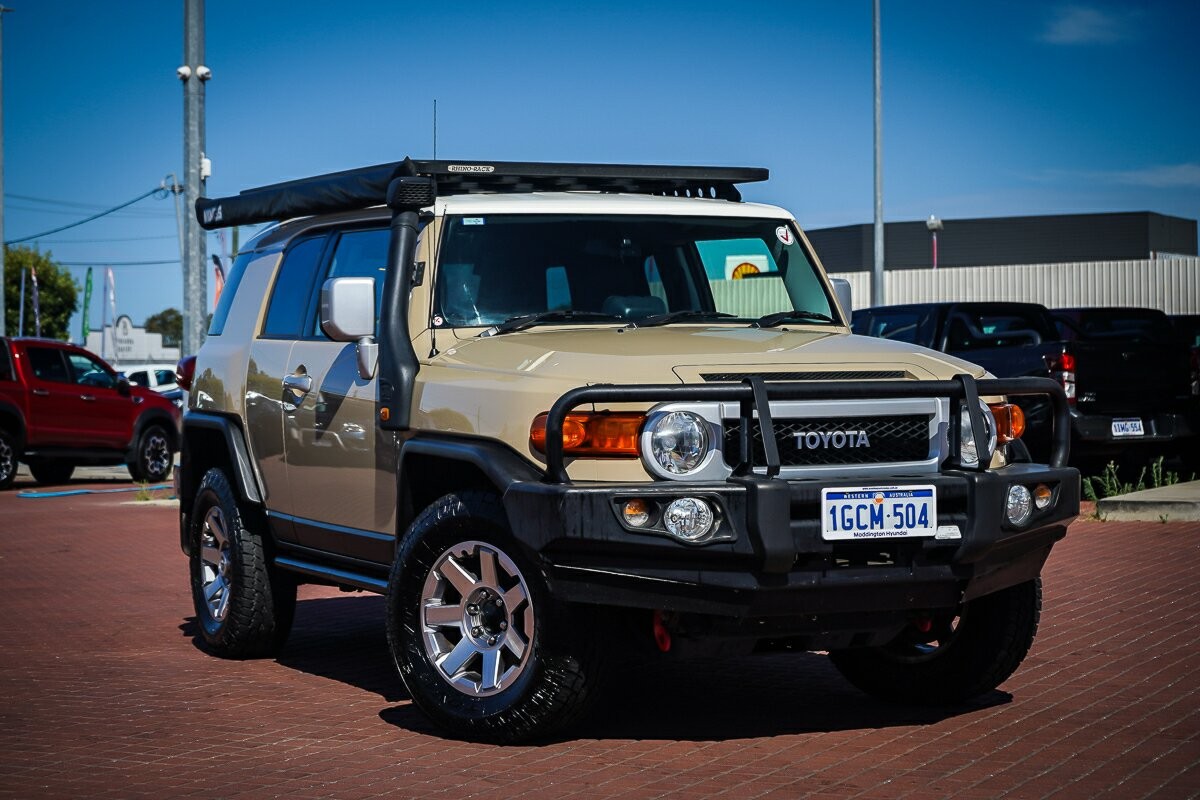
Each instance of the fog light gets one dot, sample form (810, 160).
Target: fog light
(636, 513)
(1042, 495)
(1020, 505)
(688, 518)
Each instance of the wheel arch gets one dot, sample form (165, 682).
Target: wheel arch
(153, 416)
(430, 467)
(13, 421)
(213, 440)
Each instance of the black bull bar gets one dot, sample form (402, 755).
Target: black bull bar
(754, 396)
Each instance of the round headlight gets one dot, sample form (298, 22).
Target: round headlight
(688, 518)
(966, 437)
(678, 442)
(1019, 507)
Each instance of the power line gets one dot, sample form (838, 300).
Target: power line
(118, 239)
(125, 213)
(102, 263)
(106, 212)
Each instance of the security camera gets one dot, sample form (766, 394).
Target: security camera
(184, 72)
(203, 72)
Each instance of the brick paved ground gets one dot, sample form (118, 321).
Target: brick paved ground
(104, 694)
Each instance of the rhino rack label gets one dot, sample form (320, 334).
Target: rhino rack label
(470, 168)
(212, 215)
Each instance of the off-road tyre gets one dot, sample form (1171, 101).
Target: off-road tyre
(244, 605)
(51, 473)
(547, 692)
(151, 462)
(992, 638)
(8, 459)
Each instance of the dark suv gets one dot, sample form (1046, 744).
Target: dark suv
(62, 407)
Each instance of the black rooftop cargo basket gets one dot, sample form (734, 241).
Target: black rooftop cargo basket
(367, 186)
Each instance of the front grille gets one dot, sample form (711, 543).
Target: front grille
(891, 439)
(875, 375)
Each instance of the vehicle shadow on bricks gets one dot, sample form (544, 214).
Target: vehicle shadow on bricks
(739, 698)
(339, 638)
(747, 697)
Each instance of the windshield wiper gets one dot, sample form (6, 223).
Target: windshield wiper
(655, 320)
(529, 320)
(779, 317)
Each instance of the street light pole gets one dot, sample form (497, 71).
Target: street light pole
(877, 293)
(934, 225)
(194, 74)
(3, 11)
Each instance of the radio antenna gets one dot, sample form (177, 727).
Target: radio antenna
(435, 129)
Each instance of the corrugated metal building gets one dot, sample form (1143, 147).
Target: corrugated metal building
(1056, 239)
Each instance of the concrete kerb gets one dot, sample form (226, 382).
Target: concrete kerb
(1177, 503)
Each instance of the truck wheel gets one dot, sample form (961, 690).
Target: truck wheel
(962, 655)
(8, 460)
(152, 458)
(485, 652)
(50, 473)
(244, 606)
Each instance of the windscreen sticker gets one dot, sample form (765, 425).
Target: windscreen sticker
(784, 234)
(437, 321)
(472, 220)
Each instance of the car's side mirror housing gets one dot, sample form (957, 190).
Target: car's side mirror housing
(123, 385)
(348, 315)
(841, 289)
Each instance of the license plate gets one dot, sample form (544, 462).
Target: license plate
(876, 512)
(1127, 427)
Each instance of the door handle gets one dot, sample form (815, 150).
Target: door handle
(301, 384)
(88, 397)
(42, 392)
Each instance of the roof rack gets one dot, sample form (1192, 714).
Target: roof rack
(367, 186)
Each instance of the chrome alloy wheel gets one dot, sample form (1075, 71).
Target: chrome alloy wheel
(477, 620)
(156, 455)
(8, 460)
(214, 563)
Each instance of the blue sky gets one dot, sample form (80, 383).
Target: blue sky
(989, 109)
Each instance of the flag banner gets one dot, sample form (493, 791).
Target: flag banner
(37, 312)
(87, 307)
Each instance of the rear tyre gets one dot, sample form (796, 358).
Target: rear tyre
(152, 457)
(8, 460)
(244, 605)
(50, 473)
(963, 654)
(484, 650)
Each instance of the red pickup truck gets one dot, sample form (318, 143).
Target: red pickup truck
(62, 407)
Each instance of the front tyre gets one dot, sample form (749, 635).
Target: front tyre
(959, 655)
(482, 648)
(152, 457)
(8, 459)
(244, 606)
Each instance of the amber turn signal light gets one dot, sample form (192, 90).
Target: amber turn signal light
(599, 435)
(1010, 421)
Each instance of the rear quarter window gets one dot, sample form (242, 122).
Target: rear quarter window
(225, 301)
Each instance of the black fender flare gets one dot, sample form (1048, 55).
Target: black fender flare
(12, 411)
(236, 460)
(498, 463)
(152, 416)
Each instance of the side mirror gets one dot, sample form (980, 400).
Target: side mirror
(841, 289)
(123, 385)
(348, 315)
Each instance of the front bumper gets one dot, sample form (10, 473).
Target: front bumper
(769, 573)
(774, 564)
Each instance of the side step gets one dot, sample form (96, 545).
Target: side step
(337, 576)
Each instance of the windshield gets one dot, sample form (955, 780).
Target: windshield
(624, 269)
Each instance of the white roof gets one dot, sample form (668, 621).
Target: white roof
(601, 203)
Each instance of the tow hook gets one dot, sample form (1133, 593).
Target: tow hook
(662, 636)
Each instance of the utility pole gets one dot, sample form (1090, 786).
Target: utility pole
(3, 11)
(194, 74)
(877, 298)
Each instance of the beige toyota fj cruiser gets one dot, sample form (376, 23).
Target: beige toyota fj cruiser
(561, 412)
